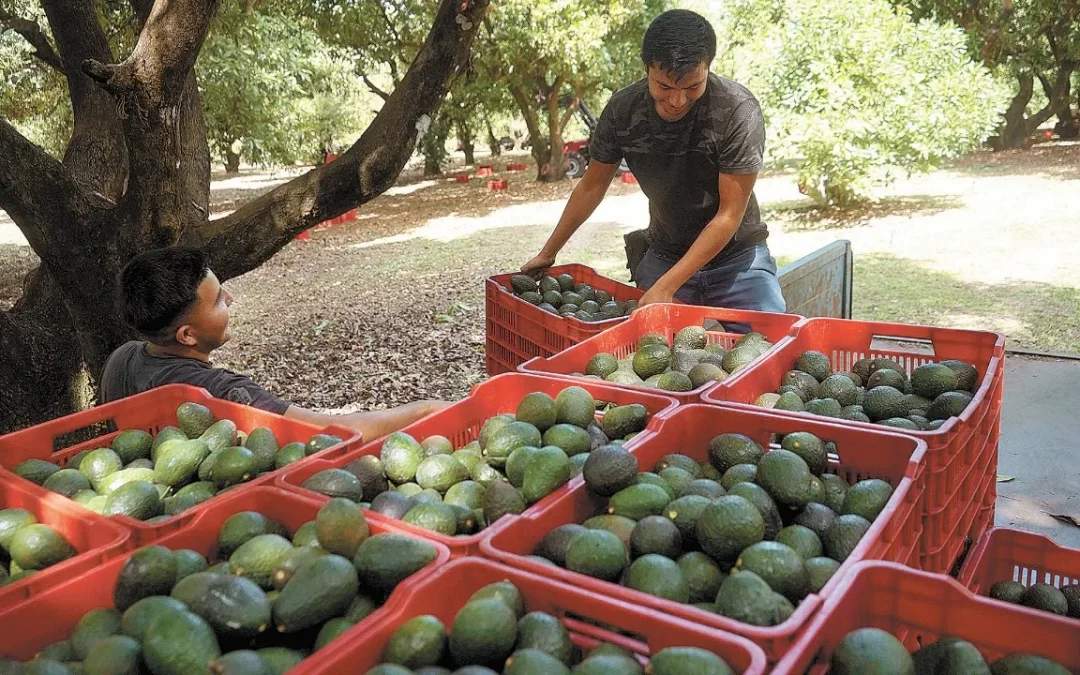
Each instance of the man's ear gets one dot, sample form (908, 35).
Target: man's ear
(185, 335)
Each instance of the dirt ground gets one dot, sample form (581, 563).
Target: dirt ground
(389, 308)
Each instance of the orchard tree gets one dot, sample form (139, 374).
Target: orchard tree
(135, 174)
(266, 78)
(1036, 41)
(384, 36)
(852, 92)
(545, 50)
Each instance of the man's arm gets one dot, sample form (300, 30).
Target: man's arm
(735, 190)
(372, 424)
(586, 197)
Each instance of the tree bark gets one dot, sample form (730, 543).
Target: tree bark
(96, 153)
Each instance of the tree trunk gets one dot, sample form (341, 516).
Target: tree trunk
(1018, 127)
(540, 149)
(493, 143)
(137, 176)
(468, 145)
(232, 161)
(557, 163)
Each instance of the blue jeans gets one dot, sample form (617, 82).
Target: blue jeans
(746, 281)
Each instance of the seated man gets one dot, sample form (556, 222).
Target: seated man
(172, 299)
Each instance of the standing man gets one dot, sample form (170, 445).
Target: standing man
(695, 142)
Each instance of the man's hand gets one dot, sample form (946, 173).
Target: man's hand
(536, 267)
(656, 294)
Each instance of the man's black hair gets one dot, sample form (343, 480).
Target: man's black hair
(677, 42)
(157, 287)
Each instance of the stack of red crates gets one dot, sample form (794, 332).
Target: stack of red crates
(961, 456)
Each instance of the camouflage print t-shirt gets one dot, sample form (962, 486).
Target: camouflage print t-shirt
(678, 163)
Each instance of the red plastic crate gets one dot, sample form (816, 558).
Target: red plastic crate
(919, 608)
(952, 448)
(666, 319)
(518, 331)
(96, 539)
(443, 593)
(151, 411)
(894, 535)
(1003, 554)
(942, 525)
(977, 517)
(52, 615)
(461, 423)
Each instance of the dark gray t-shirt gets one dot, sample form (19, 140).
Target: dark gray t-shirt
(132, 370)
(678, 163)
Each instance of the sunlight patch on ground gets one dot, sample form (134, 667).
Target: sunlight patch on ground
(257, 180)
(409, 189)
(630, 211)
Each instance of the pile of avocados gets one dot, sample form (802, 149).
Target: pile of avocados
(562, 296)
(746, 534)
(873, 650)
(1064, 601)
(265, 604)
(876, 390)
(492, 633)
(153, 478)
(685, 364)
(516, 461)
(27, 546)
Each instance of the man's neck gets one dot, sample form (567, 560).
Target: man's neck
(176, 350)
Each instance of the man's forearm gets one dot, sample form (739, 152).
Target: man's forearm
(372, 424)
(707, 246)
(375, 424)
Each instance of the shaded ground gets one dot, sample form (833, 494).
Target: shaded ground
(350, 317)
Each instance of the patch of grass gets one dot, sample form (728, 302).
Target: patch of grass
(1033, 315)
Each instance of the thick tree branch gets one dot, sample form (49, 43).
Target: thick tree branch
(96, 154)
(247, 237)
(39, 195)
(570, 110)
(31, 32)
(154, 75)
(375, 89)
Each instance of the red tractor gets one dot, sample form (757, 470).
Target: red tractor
(576, 153)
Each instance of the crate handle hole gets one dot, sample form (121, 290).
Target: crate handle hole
(83, 434)
(893, 343)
